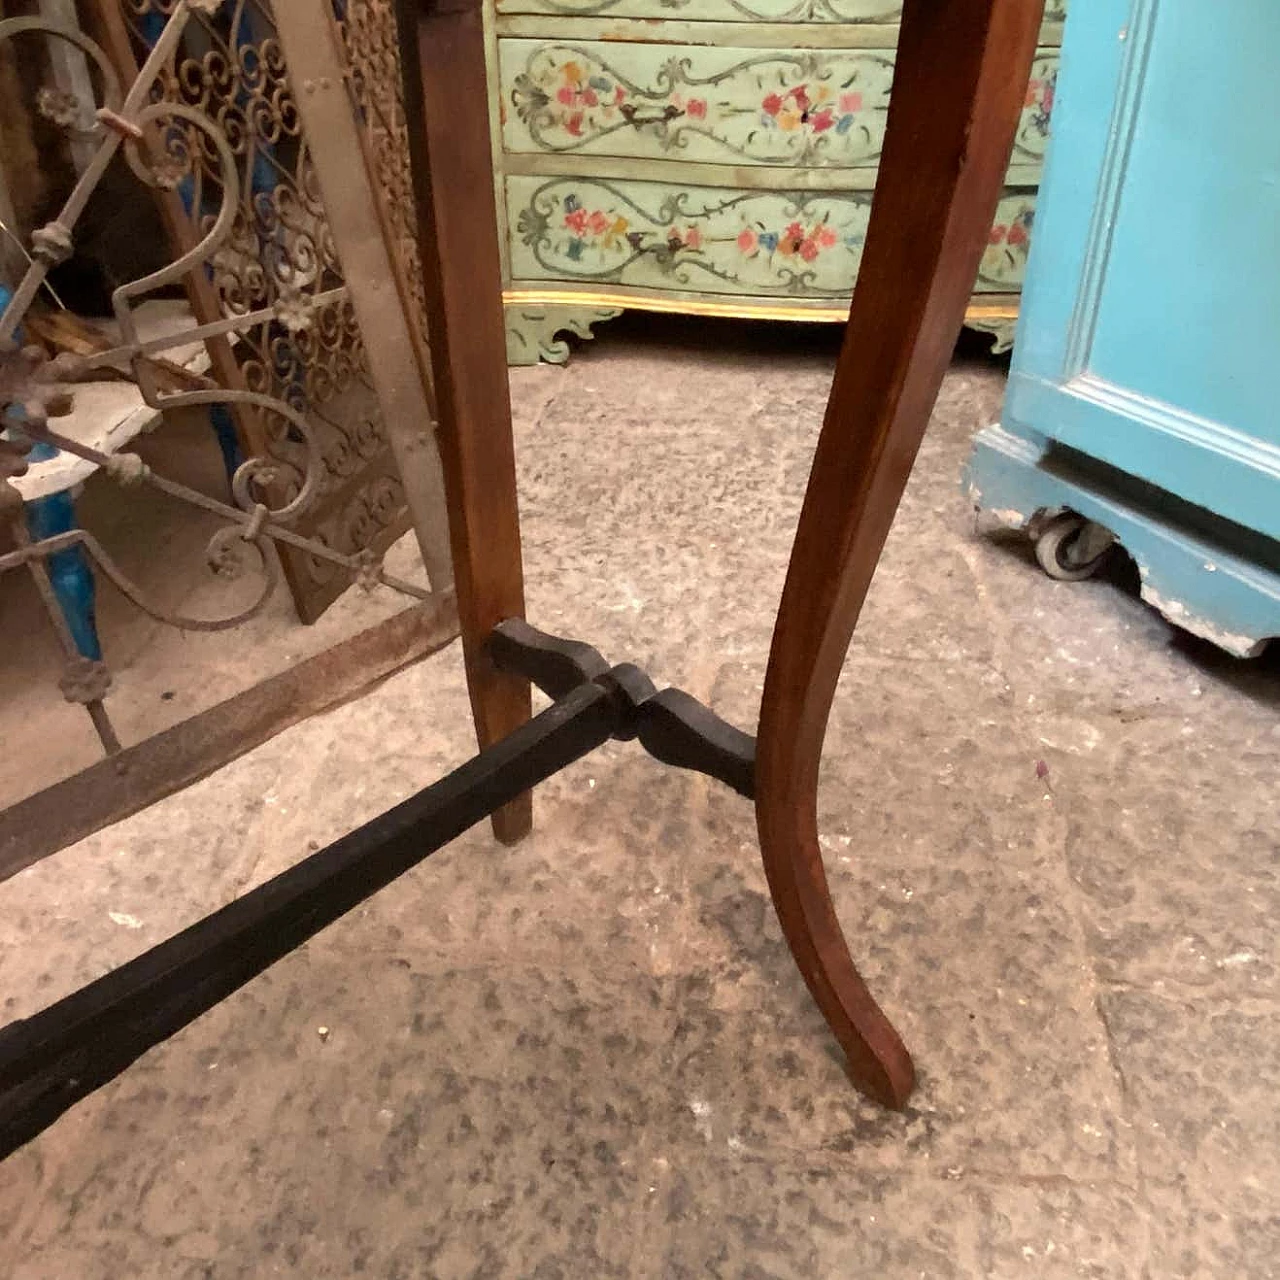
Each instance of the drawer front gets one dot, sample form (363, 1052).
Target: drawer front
(804, 108)
(675, 237)
(857, 11)
(862, 11)
(1004, 261)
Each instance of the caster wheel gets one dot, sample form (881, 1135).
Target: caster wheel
(1071, 548)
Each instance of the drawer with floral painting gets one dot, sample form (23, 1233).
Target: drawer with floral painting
(717, 240)
(716, 105)
(859, 12)
(715, 157)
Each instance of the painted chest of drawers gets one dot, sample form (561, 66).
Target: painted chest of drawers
(713, 157)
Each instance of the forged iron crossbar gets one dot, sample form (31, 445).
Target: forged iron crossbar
(50, 1061)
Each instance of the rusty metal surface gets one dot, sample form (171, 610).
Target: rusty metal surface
(142, 774)
(281, 254)
(210, 107)
(371, 52)
(357, 217)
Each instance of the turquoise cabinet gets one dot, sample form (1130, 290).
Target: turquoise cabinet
(1142, 400)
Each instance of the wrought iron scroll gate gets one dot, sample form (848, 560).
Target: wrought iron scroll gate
(269, 134)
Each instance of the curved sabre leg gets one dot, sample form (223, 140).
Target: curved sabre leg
(960, 80)
(878, 1060)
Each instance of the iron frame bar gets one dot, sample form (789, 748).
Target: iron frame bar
(56, 1057)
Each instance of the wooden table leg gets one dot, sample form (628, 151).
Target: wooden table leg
(445, 90)
(960, 79)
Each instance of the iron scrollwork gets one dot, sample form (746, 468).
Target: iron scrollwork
(183, 123)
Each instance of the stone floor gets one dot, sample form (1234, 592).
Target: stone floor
(1051, 828)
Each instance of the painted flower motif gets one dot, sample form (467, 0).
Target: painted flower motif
(792, 238)
(617, 229)
(696, 109)
(795, 240)
(591, 226)
(693, 238)
(1042, 101)
(579, 93)
(821, 110)
(1016, 234)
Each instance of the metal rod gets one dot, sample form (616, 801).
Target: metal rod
(34, 276)
(49, 1061)
(96, 709)
(235, 324)
(32, 551)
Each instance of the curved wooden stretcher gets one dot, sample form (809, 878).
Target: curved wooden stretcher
(960, 77)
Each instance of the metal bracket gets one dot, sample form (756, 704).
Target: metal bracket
(672, 726)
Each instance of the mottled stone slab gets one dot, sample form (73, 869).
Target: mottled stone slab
(793, 1221)
(1201, 1082)
(463, 1122)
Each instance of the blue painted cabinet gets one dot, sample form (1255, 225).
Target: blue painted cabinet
(1143, 402)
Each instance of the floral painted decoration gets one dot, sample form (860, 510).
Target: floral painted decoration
(593, 228)
(795, 239)
(580, 92)
(709, 239)
(1016, 234)
(1039, 100)
(602, 231)
(795, 108)
(767, 107)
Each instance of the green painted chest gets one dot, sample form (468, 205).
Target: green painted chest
(713, 157)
